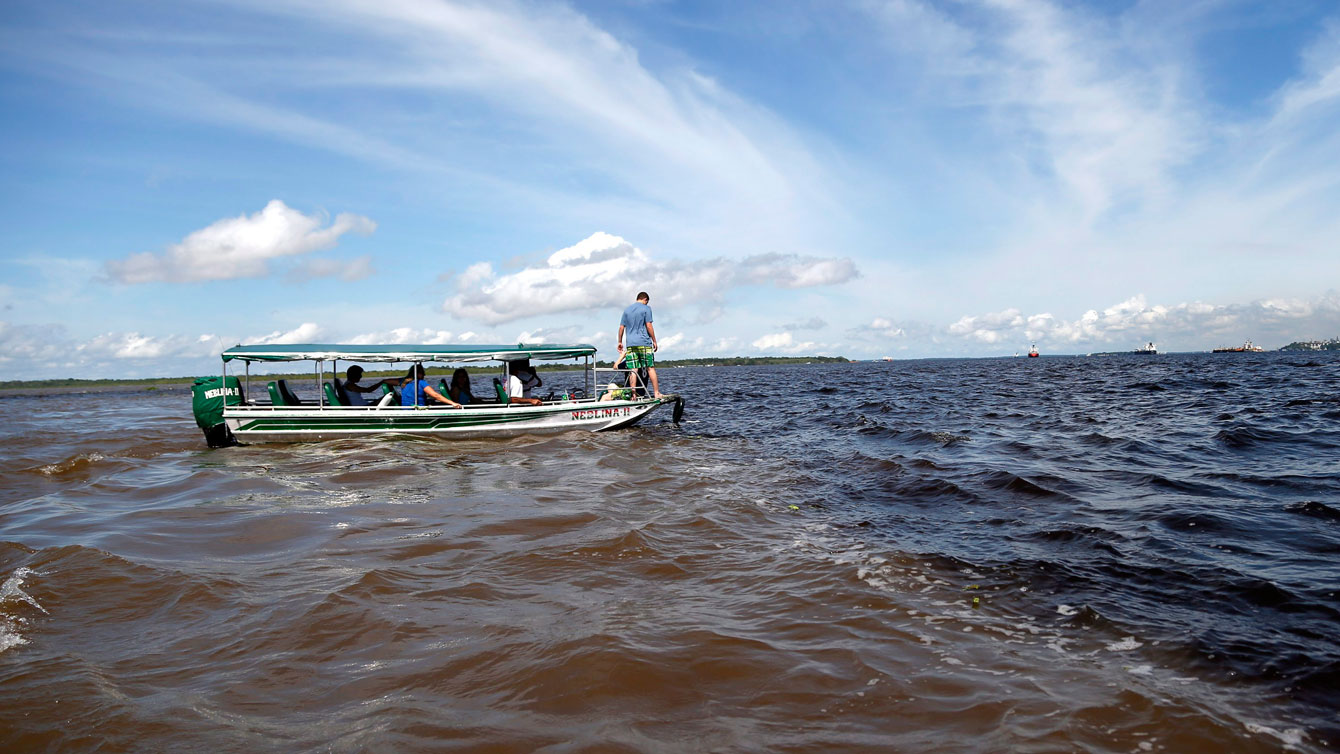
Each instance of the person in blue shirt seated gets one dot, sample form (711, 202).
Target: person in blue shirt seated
(459, 389)
(415, 390)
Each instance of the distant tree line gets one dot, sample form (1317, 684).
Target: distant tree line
(1313, 345)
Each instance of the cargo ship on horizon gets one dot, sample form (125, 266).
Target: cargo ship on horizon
(1247, 347)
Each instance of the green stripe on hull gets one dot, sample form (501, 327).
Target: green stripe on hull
(390, 425)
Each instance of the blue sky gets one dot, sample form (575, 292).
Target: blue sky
(869, 178)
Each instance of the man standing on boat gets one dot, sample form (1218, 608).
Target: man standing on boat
(636, 323)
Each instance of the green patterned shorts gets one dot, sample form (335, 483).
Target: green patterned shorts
(638, 357)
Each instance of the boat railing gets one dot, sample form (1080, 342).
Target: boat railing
(618, 378)
(590, 391)
(558, 396)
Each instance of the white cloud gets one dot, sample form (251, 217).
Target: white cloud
(886, 328)
(564, 95)
(1320, 84)
(239, 247)
(549, 335)
(1130, 322)
(307, 332)
(1067, 100)
(988, 328)
(604, 270)
(783, 341)
(423, 336)
(43, 351)
(668, 343)
(32, 347)
(314, 268)
(813, 323)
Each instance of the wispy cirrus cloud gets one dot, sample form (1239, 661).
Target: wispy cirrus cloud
(1059, 92)
(604, 270)
(244, 247)
(596, 128)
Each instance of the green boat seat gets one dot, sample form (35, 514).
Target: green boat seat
(275, 398)
(289, 398)
(341, 393)
(332, 398)
(503, 398)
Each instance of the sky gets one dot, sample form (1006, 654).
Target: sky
(858, 178)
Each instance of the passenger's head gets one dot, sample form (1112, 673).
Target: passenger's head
(460, 378)
(643, 297)
(354, 373)
(415, 372)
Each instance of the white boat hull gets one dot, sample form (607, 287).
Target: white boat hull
(266, 424)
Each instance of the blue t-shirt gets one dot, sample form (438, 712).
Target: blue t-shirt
(634, 324)
(407, 393)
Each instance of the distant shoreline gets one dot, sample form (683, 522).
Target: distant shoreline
(94, 386)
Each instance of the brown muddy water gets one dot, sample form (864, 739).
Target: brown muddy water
(1098, 555)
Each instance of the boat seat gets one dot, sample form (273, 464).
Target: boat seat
(289, 398)
(390, 396)
(387, 400)
(341, 393)
(275, 398)
(331, 398)
(503, 398)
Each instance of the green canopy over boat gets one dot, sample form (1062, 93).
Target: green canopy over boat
(407, 352)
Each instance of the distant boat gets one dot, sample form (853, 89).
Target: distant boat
(1033, 351)
(1148, 349)
(1247, 347)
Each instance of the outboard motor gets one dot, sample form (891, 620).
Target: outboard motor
(208, 397)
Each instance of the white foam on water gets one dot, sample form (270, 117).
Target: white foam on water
(1067, 610)
(1289, 736)
(12, 592)
(68, 464)
(1125, 645)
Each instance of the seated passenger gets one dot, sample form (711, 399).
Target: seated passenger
(521, 380)
(415, 390)
(615, 393)
(459, 389)
(358, 393)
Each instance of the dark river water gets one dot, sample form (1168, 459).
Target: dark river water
(1105, 554)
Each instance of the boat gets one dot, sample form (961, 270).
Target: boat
(1033, 351)
(1247, 347)
(1148, 349)
(231, 412)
